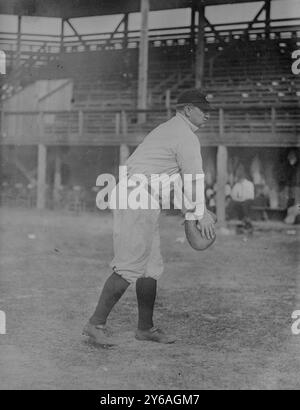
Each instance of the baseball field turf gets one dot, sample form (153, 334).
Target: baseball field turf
(229, 307)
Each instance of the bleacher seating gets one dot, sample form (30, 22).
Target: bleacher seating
(253, 72)
(258, 75)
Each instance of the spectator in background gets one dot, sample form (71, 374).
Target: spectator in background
(242, 195)
(210, 195)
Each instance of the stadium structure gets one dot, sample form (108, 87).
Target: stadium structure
(76, 105)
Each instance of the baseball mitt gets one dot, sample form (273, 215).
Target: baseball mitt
(194, 236)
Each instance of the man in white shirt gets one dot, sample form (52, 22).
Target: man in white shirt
(170, 149)
(242, 195)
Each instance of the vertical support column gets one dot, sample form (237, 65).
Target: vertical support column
(124, 153)
(57, 177)
(125, 39)
(18, 56)
(124, 148)
(273, 122)
(42, 170)
(143, 60)
(168, 103)
(80, 123)
(62, 33)
(200, 49)
(222, 158)
(193, 28)
(268, 17)
(2, 126)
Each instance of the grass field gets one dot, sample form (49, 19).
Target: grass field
(230, 308)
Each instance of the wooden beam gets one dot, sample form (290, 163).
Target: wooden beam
(115, 31)
(62, 33)
(250, 25)
(143, 60)
(76, 32)
(268, 17)
(124, 153)
(85, 8)
(200, 50)
(42, 170)
(27, 174)
(122, 128)
(168, 103)
(18, 59)
(221, 41)
(57, 176)
(273, 121)
(222, 158)
(125, 39)
(193, 27)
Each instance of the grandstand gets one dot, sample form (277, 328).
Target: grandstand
(104, 92)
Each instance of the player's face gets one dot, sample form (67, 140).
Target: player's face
(197, 116)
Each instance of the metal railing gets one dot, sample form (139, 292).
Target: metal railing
(271, 125)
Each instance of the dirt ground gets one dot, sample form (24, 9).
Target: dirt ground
(230, 308)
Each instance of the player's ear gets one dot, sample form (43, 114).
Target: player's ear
(187, 111)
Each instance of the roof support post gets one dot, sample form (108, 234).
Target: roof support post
(200, 49)
(268, 18)
(62, 33)
(18, 56)
(143, 60)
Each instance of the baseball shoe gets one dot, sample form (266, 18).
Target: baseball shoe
(98, 334)
(154, 335)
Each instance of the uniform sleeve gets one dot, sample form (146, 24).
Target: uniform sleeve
(188, 156)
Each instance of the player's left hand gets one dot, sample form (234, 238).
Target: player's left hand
(206, 226)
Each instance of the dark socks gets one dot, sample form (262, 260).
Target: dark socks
(146, 294)
(113, 289)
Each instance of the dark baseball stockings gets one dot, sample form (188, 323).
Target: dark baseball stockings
(113, 289)
(146, 294)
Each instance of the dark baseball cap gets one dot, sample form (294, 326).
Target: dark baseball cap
(194, 97)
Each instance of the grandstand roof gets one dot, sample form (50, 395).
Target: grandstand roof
(85, 8)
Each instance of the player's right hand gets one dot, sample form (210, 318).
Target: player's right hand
(206, 226)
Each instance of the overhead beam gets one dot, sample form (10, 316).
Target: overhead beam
(86, 8)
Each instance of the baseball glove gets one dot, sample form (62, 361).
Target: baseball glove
(194, 236)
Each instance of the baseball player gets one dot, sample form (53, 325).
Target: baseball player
(171, 148)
